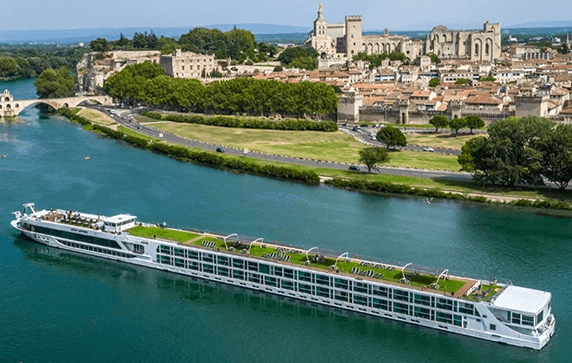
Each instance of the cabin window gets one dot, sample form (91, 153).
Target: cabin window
(208, 268)
(466, 308)
(323, 280)
(253, 266)
(179, 262)
(381, 304)
(306, 289)
(237, 263)
(165, 250)
(262, 268)
(361, 287)
(382, 291)
(193, 265)
(179, 252)
(422, 299)
(444, 317)
(341, 296)
(222, 260)
(208, 257)
(288, 285)
(401, 308)
(270, 281)
(254, 277)
(493, 327)
(360, 299)
(540, 317)
(289, 273)
(194, 255)
(237, 274)
(222, 271)
(341, 283)
(278, 271)
(515, 318)
(304, 276)
(322, 291)
(420, 312)
(444, 304)
(401, 295)
(528, 320)
(457, 320)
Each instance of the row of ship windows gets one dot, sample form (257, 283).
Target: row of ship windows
(322, 282)
(73, 236)
(376, 303)
(96, 249)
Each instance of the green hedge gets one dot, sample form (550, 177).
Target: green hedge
(385, 187)
(247, 123)
(202, 157)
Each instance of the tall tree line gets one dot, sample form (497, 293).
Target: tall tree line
(147, 83)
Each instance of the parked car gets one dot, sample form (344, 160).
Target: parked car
(354, 128)
(429, 149)
(139, 127)
(219, 150)
(354, 168)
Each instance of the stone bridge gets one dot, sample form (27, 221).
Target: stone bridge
(9, 107)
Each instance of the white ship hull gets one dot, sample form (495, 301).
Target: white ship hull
(472, 326)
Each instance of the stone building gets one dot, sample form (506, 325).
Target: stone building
(341, 41)
(188, 64)
(94, 68)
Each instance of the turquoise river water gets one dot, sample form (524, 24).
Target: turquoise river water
(59, 307)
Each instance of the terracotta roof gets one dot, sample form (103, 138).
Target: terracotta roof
(483, 100)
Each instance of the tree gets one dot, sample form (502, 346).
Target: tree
(488, 79)
(56, 83)
(278, 69)
(434, 82)
(99, 45)
(556, 148)
(391, 136)
(511, 154)
(457, 124)
(462, 81)
(372, 156)
(474, 122)
(434, 58)
(564, 49)
(439, 121)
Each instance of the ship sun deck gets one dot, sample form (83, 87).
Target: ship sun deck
(413, 276)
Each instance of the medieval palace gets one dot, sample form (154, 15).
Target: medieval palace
(340, 41)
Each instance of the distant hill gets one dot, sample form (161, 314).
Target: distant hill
(256, 28)
(544, 24)
(87, 35)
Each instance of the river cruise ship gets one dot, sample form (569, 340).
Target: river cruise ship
(414, 294)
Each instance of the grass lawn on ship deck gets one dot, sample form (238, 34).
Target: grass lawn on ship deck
(163, 233)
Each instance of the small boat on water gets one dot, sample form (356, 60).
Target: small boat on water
(86, 157)
(2, 156)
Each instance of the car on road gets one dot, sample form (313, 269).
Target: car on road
(354, 168)
(219, 150)
(139, 127)
(429, 149)
(354, 128)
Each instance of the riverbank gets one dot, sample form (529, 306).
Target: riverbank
(337, 178)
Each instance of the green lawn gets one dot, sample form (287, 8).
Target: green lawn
(443, 139)
(327, 146)
(130, 132)
(334, 146)
(163, 233)
(97, 117)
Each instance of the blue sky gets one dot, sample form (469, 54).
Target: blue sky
(378, 14)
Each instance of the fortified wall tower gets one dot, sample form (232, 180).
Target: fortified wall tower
(353, 35)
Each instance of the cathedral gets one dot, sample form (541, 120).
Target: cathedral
(340, 41)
